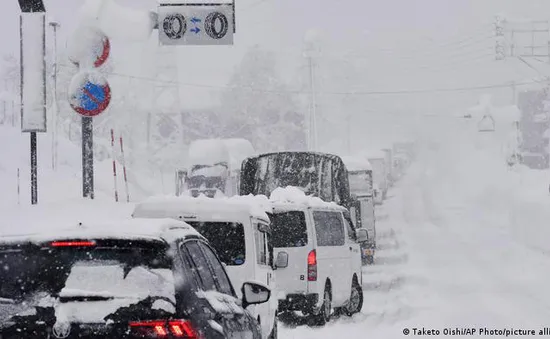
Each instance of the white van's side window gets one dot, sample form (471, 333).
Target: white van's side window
(261, 246)
(351, 231)
(329, 227)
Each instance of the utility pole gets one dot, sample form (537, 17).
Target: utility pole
(348, 131)
(55, 111)
(311, 51)
(528, 40)
(313, 107)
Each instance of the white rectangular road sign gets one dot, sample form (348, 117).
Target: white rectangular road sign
(33, 72)
(196, 24)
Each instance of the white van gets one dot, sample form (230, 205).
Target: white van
(322, 249)
(238, 228)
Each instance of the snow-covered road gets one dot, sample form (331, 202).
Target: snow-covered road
(455, 252)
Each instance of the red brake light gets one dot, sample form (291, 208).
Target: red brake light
(72, 244)
(163, 328)
(312, 266)
(312, 258)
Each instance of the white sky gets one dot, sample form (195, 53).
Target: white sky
(408, 44)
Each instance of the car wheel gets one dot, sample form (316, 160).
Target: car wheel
(273, 334)
(324, 314)
(355, 303)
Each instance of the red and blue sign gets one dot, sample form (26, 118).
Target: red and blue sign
(89, 47)
(89, 94)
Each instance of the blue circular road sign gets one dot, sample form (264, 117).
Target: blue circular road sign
(89, 94)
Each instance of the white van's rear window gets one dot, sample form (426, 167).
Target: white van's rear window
(329, 227)
(289, 229)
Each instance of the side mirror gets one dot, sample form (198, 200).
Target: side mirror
(362, 235)
(255, 293)
(282, 260)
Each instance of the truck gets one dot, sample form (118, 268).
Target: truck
(380, 175)
(213, 167)
(362, 188)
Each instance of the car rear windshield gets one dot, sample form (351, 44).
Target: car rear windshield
(227, 238)
(108, 269)
(289, 229)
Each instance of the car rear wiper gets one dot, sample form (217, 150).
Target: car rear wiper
(7, 301)
(84, 298)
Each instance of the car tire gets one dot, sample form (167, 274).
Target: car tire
(325, 312)
(355, 303)
(274, 331)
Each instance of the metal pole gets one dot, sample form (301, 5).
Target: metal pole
(348, 131)
(114, 163)
(87, 158)
(312, 118)
(55, 112)
(124, 170)
(18, 187)
(34, 170)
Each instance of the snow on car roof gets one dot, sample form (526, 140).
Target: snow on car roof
(236, 207)
(45, 222)
(291, 195)
(356, 163)
(239, 149)
(208, 152)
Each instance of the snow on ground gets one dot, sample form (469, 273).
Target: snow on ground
(64, 183)
(462, 244)
(462, 237)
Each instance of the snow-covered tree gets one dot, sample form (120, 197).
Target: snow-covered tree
(260, 107)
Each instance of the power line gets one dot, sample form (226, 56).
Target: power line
(393, 92)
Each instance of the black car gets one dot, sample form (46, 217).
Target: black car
(124, 282)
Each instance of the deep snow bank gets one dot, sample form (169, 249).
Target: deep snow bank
(64, 183)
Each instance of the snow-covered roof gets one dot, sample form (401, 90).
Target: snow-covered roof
(208, 152)
(239, 149)
(356, 163)
(204, 208)
(128, 228)
(291, 195)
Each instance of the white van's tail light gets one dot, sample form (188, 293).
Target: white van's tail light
(164, 329)
(312, 266)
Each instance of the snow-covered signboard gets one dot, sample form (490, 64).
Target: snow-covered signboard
(196, 24)
(33, 72)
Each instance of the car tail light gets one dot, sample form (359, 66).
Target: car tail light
(72, 243)
(312, 266)
(164, 329)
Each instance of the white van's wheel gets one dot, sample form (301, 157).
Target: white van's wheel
(355, 303)
(324, 314)
(273, 334)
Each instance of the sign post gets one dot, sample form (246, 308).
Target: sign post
(89, 95)
(32, 30)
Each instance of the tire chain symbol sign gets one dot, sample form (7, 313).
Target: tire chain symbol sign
(216, 25)
(175, 26)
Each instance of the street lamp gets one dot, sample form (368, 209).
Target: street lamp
(55, 111)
